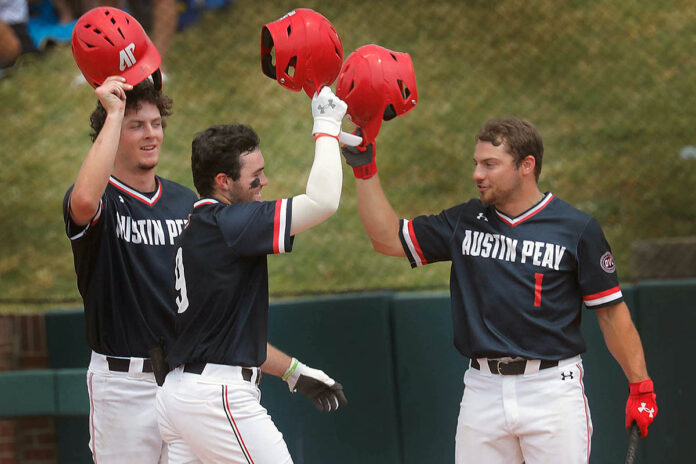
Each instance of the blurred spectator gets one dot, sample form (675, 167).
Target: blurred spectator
(67, 10)
(14, 36)
(10, 47)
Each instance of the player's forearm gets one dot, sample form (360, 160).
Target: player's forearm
(378, 217)
(276, 362)
(623, 341)
(323, 192)
(95, 171)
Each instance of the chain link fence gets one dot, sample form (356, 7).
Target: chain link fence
(608, 84)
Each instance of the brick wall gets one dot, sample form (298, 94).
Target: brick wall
(26, 440)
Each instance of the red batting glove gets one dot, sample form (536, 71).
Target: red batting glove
(641, 406)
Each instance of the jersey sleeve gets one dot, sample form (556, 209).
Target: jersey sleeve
(597, 276)
(258, 227)
(426, 239)
(75, 231)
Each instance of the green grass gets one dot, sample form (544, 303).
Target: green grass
(609, 84)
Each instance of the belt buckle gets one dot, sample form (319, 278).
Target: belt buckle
(497, 367)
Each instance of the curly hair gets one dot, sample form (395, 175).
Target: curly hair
(143, 92)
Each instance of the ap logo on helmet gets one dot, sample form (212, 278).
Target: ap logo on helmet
(127, 58)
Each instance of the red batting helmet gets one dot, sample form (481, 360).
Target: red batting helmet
(377, 84)
(107, 41)
(308, 51)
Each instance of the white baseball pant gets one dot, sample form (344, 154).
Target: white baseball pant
(541, 416)
(122, 417)
(216, 417)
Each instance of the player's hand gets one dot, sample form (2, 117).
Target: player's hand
(641, 406)
(328, 111)
(361, 158)
(112, 94)
(325, 392)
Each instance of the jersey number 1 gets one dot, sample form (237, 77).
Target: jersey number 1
(537, 288)
(182, 302)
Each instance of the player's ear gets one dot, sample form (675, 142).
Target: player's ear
(528, 165)
(222, 181)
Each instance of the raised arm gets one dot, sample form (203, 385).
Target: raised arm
(99, 163)
(323, 191)
(378, 217)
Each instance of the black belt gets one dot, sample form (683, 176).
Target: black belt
(197, 368)
(511, 367)
(123, 364)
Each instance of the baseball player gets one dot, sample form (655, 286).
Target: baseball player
(523, 263)
(122, 220)
(209, 408)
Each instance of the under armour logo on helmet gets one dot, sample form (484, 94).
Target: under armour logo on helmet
(330, 104)
(650, 411)
(569, 375)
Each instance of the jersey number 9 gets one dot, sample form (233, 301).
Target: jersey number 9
(180, 283)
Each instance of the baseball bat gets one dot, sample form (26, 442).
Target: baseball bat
(634, 435)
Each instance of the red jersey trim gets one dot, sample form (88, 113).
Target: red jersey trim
(413, 245)
(205, 201)
(526, 215)
(606, 296)
(279, 224)
(137, 195)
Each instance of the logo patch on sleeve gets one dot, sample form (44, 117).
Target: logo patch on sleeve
(607, 262)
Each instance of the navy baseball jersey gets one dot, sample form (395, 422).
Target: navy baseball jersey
(123, 264)
(517, 284)
(222, 281)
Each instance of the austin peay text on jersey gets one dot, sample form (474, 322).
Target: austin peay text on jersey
(148, 231)
(497, 246)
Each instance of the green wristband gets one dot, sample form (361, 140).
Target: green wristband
(291, 369)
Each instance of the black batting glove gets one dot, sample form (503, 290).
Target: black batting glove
(325, 398)
(325, 393)
(361, 158)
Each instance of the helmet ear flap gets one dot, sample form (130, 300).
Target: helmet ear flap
(267, 53)
(157, 80)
